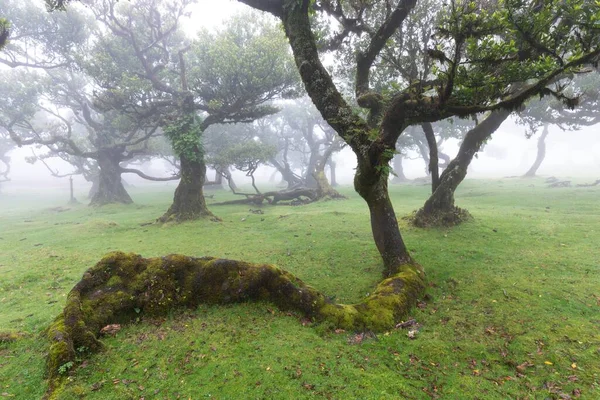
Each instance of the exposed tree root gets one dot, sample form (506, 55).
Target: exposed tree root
(439, 218)
(122, 287)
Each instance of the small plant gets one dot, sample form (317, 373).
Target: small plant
(64, 368)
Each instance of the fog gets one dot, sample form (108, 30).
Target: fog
(573, 154)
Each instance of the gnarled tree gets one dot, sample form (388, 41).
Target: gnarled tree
(475, 43)
(220, 77)
(544, 112)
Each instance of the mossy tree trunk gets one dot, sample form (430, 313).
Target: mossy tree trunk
(439, 209)
(541, 154)
(110, 185)
(371, 183)
(188, 201)
(324, 189)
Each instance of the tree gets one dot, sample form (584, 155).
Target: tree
(224, 77)
(481, 52)
(315, 140)
(41, 40)
(542, 113)
(541, 153)
(59, 113)
(236, 145)
(440, 208)
(486, 61)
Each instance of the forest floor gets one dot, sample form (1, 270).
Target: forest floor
(512, 311)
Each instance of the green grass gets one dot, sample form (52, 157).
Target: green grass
(517, 287)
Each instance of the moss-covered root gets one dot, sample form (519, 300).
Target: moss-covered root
(123, 286)
(389, 303)
(439, 218)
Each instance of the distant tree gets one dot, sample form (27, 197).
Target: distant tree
(546, 112)
(40, 39)
(290, 158)
(59, 113)
(246, 156)
(223, 77)
(301, 135)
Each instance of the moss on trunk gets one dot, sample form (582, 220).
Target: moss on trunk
(188, 201)
(122, 287)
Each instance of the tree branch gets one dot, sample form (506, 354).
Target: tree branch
(148, 177)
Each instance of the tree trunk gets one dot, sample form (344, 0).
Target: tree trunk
(188, 201)
(309, 178)
(332, 168)
(286, 173)
(399, 176)
(72, 199)
(371, 183)
(273, 176)
(424, 154)
(445, 157)
(110, 185)
(433, 155)
(230, 182)
(541, 154)
(324, 189)
(218, 178)
(439, 209)
(94, 188)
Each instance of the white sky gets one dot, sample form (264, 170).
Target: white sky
(211, 13)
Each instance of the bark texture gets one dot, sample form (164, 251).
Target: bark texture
(439, 209)
(123, 287)
(541, 154)
(188, 201)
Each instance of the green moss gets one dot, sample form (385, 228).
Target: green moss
(115, 280)
(59, 353)
(123, 285)
(339, 315)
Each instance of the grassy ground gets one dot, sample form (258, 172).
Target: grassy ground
(512, 310)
